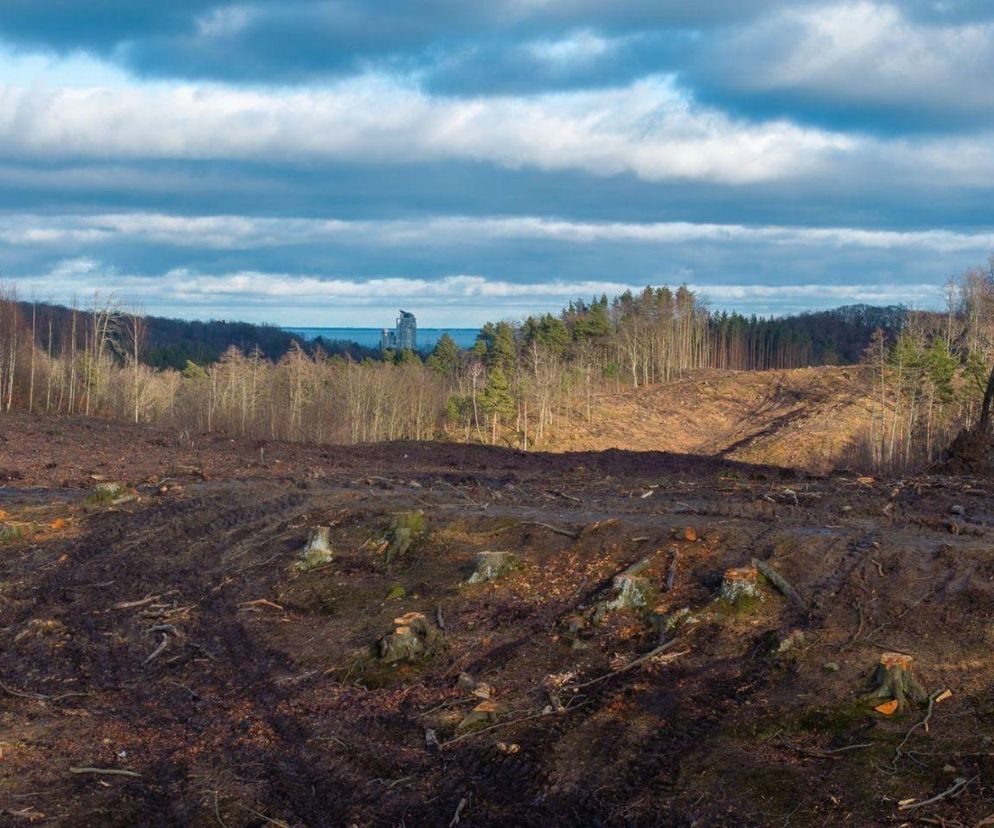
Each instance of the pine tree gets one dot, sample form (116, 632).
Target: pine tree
(444, 359)
(496, 399)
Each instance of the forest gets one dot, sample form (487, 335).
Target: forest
(924, 372)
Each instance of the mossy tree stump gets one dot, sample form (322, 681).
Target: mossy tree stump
(489, 566)
(317, 552)
(740, 588)
(628, 592)
(406, 529)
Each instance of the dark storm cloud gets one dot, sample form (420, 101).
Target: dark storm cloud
(265, 41)
(920, 64)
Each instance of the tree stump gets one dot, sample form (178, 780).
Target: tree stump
(413, 638)
(485, 713)
(318, 551)
(406, 529)
(489, 566)
(892, 679)
(627, 592)
(740, 588)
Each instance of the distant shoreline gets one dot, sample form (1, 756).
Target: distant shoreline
(370, 337)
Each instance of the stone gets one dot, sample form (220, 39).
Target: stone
(830, 667)
(792, 641)
(318, 550)
(957, 510)
(489, 566)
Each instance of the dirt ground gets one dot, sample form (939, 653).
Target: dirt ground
(802, 418)
(165, 660)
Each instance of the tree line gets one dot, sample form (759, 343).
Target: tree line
(518, 385)
(932, 379)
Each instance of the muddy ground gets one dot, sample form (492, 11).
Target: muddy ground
(164, 660)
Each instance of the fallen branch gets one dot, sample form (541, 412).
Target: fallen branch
(158, 650)
(781, 583)
(671, 575)
(632, 664)
(958, 785)
(106, 771)
(459, 809)
(141, 602)
(569, 533)
(886, 624)
(261, 602)
(923, 722)
(528, 718)
(23, 694)
(824, 754)
(563, 495)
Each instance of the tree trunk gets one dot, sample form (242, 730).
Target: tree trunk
(985, 409)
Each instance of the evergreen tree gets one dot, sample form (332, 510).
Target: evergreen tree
(496, 399)
(444, 359)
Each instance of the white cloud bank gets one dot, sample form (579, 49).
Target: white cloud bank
(462, 299)
(648, 129)
(228, 232)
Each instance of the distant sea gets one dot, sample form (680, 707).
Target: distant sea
(370, 337)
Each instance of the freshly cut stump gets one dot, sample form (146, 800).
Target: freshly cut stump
(413, 638)
(892, 679)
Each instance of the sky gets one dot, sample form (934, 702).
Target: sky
(326, 162)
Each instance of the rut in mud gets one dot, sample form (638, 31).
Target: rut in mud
(174, 633)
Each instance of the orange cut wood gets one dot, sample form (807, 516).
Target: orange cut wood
(887, 708)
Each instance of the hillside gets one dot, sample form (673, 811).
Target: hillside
(803, 418)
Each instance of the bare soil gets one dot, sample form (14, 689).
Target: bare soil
(268, 705)
(802, 418)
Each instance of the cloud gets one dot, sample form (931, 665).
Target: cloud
(230, 232)
(458, 299)
(860, 63)
(646, 129)
(772, 153)
(299, 40)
